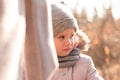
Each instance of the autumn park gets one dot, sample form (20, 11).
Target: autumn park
(104, 34)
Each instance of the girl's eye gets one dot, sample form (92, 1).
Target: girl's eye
(72, 36)
(61, 37)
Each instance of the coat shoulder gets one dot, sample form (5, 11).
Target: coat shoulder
(85, 60)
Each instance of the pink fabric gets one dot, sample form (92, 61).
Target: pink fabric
(83, 70)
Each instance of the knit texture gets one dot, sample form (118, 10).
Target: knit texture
(68, 61)
(62, 18)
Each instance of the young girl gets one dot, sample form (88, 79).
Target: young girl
(69, 42)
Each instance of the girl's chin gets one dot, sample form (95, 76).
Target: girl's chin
(64, 54)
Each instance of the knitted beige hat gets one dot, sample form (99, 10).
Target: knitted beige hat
(62, 18)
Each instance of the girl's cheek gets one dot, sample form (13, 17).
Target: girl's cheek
(76, 41)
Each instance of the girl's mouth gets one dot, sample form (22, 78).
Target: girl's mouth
(67, 49)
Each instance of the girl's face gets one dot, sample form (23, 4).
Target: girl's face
(64, 42)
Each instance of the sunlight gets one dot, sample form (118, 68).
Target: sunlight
(89, 5)
(116, 8)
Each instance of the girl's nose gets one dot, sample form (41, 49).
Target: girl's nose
(69, 42)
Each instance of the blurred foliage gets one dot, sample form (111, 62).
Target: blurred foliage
(104, 34)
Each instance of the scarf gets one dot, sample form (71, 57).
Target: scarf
(70, 60)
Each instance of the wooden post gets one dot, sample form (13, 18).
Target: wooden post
(29, 21)
(40, 55)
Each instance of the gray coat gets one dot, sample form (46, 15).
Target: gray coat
(84, 69)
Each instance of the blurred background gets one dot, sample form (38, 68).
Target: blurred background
(100, 19)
